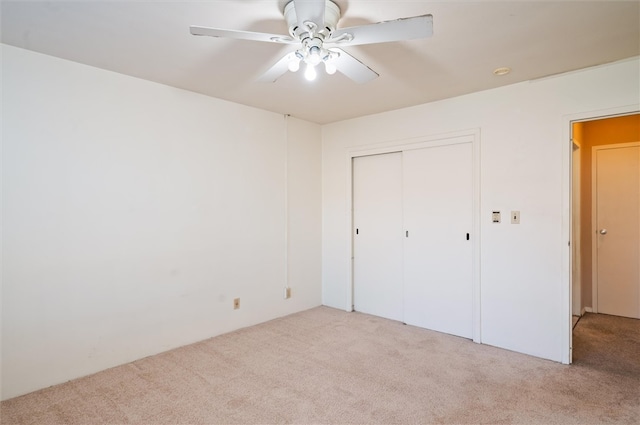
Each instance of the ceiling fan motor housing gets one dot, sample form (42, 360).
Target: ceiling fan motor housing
(331, 17)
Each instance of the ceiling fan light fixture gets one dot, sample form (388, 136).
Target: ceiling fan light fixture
(330, 68)
(294, 65)
(310, 73)
(314, 57)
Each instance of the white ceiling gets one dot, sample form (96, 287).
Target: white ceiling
(151, 40)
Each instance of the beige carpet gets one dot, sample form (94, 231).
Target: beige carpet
(328, 366)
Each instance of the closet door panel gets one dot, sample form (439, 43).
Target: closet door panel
(377, 235)
(438, 208)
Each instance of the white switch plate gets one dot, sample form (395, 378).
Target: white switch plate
(515, 217)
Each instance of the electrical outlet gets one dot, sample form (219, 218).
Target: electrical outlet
(287, 293)
(236, 303)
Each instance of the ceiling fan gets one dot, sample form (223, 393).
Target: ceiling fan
(312, 26)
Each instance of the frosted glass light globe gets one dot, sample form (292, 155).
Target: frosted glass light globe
(310, 73)
(294, 65)
(330, 68)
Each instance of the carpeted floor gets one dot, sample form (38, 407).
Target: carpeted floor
(328, 366)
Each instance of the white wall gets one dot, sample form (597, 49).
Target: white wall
(524, 166)
(133, 214)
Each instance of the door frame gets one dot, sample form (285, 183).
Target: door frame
(576, 208)
(566, 320)
(468, 136)
(594, 222)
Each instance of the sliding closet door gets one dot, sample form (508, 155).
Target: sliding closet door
(438, 215)
(377, 235)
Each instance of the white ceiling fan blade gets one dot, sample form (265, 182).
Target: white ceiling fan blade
(353, 68)
(383, 32)
(242, 35)
(277, 70)
(310, 10)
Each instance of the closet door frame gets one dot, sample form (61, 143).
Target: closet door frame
(470, 136)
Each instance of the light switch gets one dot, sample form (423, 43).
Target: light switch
(515, 217)
(495, 216)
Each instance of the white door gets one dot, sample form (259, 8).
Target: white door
(616, 196)
(438, 255)
(377, 235)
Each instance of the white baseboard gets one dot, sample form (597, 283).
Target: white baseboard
(586, 310)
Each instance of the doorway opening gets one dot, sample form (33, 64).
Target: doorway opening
(604, 193)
